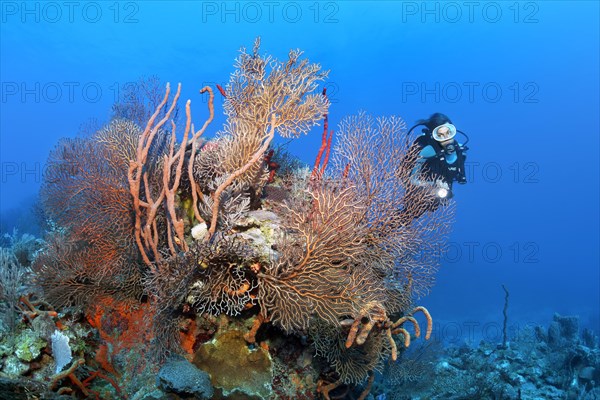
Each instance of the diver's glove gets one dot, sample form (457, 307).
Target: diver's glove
(440, 184)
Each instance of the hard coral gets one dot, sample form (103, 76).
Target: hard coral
(233, 366)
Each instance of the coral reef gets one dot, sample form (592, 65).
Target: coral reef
(553, 363)
(227, 251)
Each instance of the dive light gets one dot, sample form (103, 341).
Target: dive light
(442, 193)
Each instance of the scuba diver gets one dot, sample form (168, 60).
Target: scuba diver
(437, 160)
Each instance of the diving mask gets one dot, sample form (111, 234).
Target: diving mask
(444, 132)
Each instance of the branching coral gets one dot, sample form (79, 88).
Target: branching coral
(263, 96)
(66, 278)
(262, 86)
(373, 155)
(85, 193)
(320, 273)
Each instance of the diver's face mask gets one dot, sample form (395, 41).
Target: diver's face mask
(444, 132)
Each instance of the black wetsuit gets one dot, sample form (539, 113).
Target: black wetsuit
(438, 162)
(434, 162)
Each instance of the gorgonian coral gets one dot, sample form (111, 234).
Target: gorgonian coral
(85, 193)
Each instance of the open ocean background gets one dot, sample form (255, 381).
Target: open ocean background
(521, 78)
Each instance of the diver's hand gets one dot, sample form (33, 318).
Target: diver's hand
(440, 184)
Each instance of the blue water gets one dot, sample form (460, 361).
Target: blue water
(521, 78)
